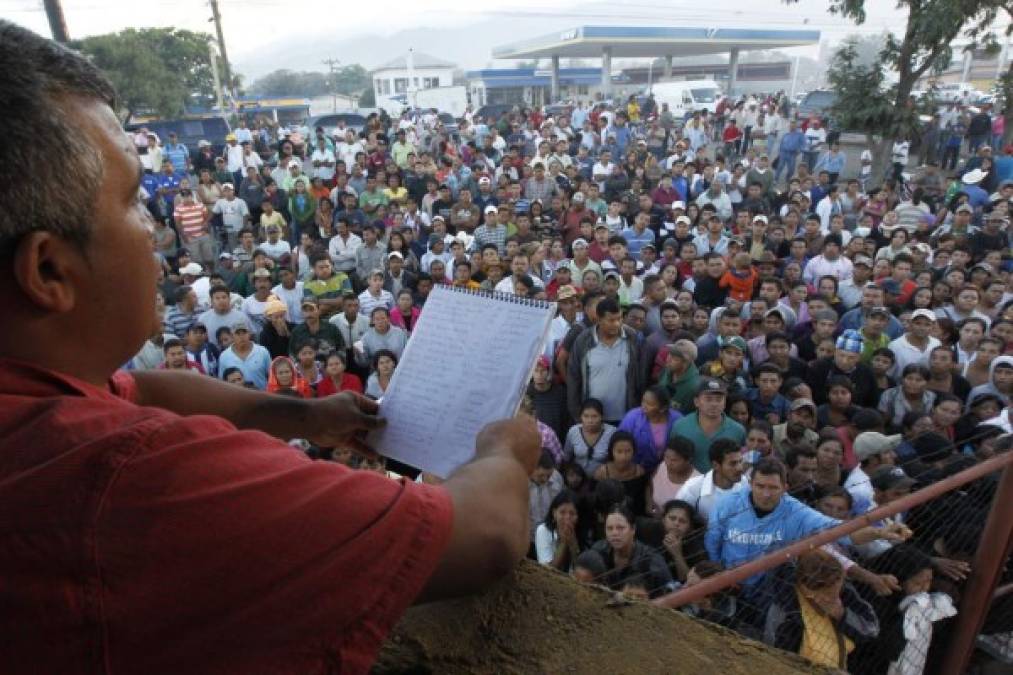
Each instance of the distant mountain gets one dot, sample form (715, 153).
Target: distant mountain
(470, 47)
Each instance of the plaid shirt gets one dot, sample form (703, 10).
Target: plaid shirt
(496, 234)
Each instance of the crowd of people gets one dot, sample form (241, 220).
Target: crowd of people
(754, 340)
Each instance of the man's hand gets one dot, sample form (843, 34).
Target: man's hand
(884, 584)
(895, 532)
(342, 420)
(517, 437)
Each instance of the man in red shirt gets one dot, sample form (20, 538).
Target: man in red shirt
(154, 522)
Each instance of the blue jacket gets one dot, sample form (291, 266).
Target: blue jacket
(854, 318)
(647, 454)
(736, 535)
(792, 143)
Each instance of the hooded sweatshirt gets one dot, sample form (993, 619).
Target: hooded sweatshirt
(736, 534)
(990, 387)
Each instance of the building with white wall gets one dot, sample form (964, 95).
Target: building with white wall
(427, 72)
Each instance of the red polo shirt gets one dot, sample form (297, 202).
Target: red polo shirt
(133, 540)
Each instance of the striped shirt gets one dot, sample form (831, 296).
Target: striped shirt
(191, 219)
(178, 322)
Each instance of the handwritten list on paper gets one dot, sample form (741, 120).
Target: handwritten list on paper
(466, 365)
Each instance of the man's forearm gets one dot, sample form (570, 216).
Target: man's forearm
(189, 394)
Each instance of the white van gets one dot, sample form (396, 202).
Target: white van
(687, 96)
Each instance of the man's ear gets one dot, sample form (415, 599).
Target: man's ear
(47, 268)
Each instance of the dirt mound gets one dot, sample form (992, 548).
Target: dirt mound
(539, 621)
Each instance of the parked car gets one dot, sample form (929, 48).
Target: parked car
(188, 131)
(494, 111)
(353, 120)
(819, 102)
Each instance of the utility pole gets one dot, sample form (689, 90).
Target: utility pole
(57, 24)
(217, 18)
(330, 63)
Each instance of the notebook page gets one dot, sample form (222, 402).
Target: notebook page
(466, 365)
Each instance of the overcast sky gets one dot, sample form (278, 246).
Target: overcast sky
(265, 34)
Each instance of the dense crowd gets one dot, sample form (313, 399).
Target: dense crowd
(755, 339)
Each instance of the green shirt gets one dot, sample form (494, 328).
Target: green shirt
(689, 427)
(869, 346)
(372, 199)
(327, 289)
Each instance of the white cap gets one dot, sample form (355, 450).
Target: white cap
(683, 219)
(678, 205)
(924, 313)
(193, 269)
(491, 208)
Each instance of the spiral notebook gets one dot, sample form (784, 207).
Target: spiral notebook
(467, 363)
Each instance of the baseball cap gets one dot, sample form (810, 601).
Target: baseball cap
(491, 208)
(923, 313)
(484, 180)
(678, 205)
(225, 255)
(735, 342)
(684, 349)
(760, 218)
(890, 286)
(579, 242)
(870, 443)
(683, 219)
(566, 292)
(240, 325)
(612, 274)
(800, 403)
(850, 341)
(862, 260)
(708, 385)
(880, 310)
(890, 477)
(964, 208)
(193, 269)
(825, 315)
(228, 186)
(262, 273)
(395, 254)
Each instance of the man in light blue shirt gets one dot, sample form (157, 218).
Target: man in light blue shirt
(748, 524)
(177, 153)
(833, 162)
(253, 360)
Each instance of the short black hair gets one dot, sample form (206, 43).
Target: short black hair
(40, 80)
(721, 448)
(608, 306)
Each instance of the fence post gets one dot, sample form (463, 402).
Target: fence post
(986, 569)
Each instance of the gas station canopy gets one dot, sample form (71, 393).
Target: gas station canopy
(607, 42)
(648, 42)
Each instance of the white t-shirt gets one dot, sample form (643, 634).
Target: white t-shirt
(815, 138)
(277, 249)
(292, 299)
(324, 172)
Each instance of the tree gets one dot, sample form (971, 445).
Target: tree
(924, 45)
(983, 35)
(368, 98)
(350, 79)
(157, 69)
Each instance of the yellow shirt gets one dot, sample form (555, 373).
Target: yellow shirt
(822, 643)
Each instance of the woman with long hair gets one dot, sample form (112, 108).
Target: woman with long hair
(587, 441)
(384, 363)
(628, 561)
(619, 465)
(558, 537)
(682, 545)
